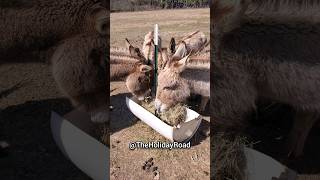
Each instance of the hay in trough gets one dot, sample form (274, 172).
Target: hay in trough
(228, 158)
(174, 116)
(103, 134)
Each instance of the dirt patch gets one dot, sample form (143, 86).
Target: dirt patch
(268, 131)
(27, 96)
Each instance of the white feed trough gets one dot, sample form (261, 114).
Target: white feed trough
(71, 134)
(263, 167)
(185, 131)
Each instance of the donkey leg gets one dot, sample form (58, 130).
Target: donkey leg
(303, 123)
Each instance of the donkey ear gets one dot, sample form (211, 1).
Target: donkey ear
(184, 60)
(181, 64)
(133, 50)
(172, 45)
(137, 53)
(164, 58)
(128, 44)
(149, 35)
(188, 36)
(145, 68)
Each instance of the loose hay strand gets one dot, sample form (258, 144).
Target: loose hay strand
(228, 158)
(103, 132)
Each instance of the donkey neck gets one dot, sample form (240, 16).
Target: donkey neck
(121, 64)
(118, 72)
(198, 78)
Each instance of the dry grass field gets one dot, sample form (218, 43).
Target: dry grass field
(193, 163)
(172, 23)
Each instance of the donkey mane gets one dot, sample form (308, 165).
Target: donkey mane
(199, 60)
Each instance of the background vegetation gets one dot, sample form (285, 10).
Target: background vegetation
(138, 5)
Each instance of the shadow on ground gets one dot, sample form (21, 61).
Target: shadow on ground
(270, 128)
(121, 117)
(33, 153)
(199, 136)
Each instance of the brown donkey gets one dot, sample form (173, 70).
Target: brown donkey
(79, 69)
(260, 54)
(140, 80)
(179, 79)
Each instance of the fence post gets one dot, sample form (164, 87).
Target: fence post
(156, 43)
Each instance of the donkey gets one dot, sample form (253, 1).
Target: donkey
(48, 22)
(276, 60)
(148, 46)
(139, 81)
(130, 64)
(80, 71)
(179, 79)
(195, 41)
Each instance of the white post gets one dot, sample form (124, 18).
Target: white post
(156, 28)
(156, 41)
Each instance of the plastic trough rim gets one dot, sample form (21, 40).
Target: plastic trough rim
(263, 167)
(88, 159)
(160, 126)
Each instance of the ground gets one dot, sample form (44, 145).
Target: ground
(268, 131)
(193, 163)
(27, 95)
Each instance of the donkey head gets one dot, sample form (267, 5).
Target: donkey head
(139, 80)
(172, 88)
